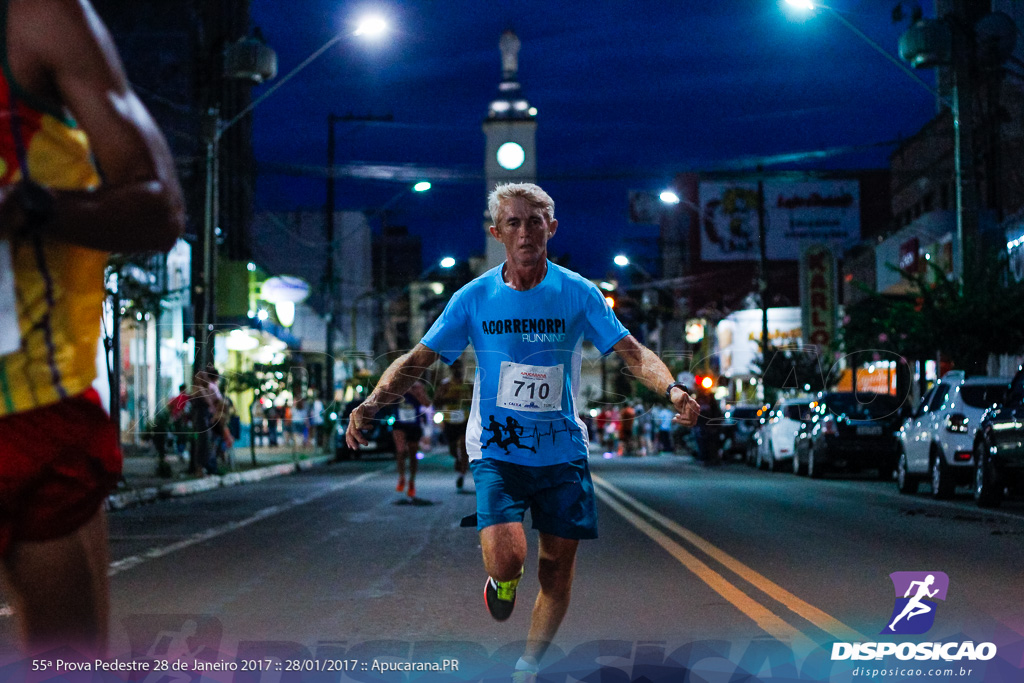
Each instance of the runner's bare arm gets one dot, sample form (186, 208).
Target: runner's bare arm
(396, 380)
(645, 365)
(61, 53)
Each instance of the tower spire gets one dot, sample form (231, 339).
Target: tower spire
(509, 45)
(510, 103)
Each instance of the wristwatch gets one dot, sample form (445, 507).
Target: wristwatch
(668, 390)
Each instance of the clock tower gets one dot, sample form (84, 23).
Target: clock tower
(511, 130)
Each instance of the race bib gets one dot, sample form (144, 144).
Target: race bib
(406, 413)
(456, 416)
(533, 388)
(10, 337)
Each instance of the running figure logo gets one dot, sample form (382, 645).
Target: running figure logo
(916, 595)
(514, 430)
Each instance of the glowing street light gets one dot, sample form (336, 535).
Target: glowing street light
(421, 186)
(669, 197)
(621, 260)
(447, 262)
(963, 138)
(371, 27)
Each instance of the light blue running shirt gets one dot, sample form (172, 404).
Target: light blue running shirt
(528, 348)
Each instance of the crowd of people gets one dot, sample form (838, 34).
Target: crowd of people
(639, 429)
(275, 422)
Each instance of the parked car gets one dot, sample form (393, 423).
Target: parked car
(738, 428)
(850, 432)
(754, 443)
(999, 447)
(937, 440)
(778, 435)
(378, 437)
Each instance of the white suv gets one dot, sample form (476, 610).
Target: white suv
(937, 439)
(777, 442)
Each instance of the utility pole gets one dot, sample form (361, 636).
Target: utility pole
(762, 274)
(330, 280)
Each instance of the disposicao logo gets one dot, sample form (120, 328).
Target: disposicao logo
(916, 596)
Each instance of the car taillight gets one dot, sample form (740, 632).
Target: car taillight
(829, 427)
(963, 456)
(957, 423)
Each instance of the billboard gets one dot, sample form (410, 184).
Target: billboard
(796, 213)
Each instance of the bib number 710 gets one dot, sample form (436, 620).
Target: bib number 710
(534, 388)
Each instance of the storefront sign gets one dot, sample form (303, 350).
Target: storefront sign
(818, 296)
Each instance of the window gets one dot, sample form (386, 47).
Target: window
(939, 398)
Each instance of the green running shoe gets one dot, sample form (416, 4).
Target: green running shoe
(500, 597)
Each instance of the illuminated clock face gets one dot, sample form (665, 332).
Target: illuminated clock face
(511, 156)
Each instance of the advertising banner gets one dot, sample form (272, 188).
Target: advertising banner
(796, 213)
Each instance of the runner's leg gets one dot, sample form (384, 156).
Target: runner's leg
(504, 550)
(555, 571)
(401, 449)
(60, 589)
(412, 450)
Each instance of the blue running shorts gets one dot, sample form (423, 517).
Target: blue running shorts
(560, 497)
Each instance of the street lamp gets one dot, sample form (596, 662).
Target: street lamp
(963, 136)
(248, 59)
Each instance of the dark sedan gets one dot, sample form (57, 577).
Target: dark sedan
(999, 447)
(848, 433)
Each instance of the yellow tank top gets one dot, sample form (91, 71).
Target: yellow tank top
(58, 287)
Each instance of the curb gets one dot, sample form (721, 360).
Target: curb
(150, 494)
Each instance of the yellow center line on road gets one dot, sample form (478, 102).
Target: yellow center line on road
(805, 610)
(762, 616)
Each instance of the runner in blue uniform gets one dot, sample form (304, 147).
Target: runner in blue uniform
(527, 320)
(407, 432)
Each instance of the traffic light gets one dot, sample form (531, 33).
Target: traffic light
(705, 381)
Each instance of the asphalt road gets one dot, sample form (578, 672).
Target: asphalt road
(716, 569)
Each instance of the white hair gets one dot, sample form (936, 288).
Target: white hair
(527, 191)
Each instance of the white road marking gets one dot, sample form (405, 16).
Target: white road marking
(133, 561)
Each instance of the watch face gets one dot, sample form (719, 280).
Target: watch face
(511, 156)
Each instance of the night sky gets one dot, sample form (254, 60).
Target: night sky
(628, 94)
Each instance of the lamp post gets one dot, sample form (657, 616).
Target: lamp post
(961, 109)
(248, 59)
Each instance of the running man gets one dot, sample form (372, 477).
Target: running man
(65, 103)
(495, 428)
(915, 606)
(526, 320)
(407, 432)
(514, 430)
(453, 398)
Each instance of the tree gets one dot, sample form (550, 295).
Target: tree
(964, 321)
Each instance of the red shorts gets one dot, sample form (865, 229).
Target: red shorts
(57, 465)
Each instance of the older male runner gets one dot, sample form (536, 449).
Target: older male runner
(527, 320)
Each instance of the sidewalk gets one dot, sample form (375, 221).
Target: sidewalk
(140, 482)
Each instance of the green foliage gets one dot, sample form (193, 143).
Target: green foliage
(964, 321)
